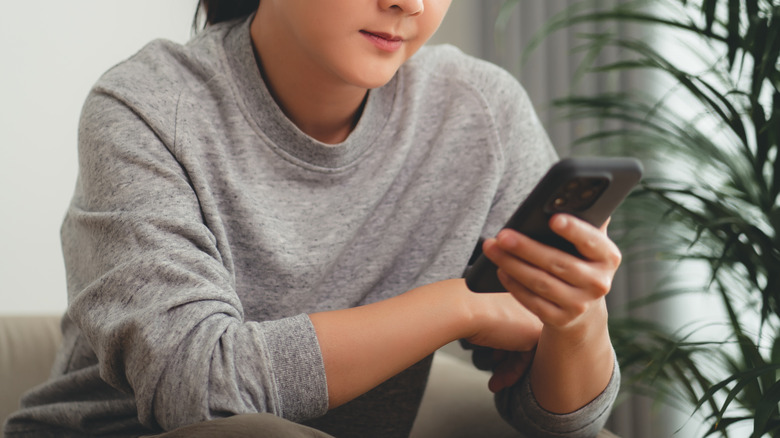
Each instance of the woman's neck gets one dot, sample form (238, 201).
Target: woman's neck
(319, 106)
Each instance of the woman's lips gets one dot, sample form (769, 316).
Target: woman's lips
(383, 41)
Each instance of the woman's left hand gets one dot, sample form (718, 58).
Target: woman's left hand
(561, 289)
(573, 361)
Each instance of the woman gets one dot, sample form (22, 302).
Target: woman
(272, 221)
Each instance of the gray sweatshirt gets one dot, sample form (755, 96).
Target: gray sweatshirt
(205, 227)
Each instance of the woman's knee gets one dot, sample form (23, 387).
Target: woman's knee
(245, 426)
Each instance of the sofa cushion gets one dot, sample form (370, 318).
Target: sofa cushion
(28, 345)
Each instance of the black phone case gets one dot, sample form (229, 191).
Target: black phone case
(564, 189)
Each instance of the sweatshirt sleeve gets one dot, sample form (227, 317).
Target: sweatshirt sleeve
(518, 406)
(153, 291)
(527, 154)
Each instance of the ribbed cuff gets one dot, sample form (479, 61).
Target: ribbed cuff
(298, 368)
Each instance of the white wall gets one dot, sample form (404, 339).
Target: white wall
(51, 52)
(462, 27)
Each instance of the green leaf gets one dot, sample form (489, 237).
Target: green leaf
(505, 14)
(742, 379)
(724, 423)
(732, 26)
(709, 7)
(775, 352)
(766, 409)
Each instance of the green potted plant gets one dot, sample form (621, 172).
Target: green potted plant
(709, 139)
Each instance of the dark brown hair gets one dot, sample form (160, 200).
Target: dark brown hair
(217, 11)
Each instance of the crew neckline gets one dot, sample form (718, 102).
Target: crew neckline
(284, 136)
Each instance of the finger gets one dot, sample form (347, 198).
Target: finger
(592, 277)
(605, 225)
(566, 267)
(499, 355)
(551, 299)
(484, 358)
(519, 272)
(593, 243)
(509, 371)
(543, 303)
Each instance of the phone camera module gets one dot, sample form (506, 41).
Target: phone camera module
(577, 195)
(587, 194)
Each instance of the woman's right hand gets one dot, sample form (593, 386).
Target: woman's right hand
(499, 321)
(505, 337)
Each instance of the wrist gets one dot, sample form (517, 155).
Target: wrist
(591, 325)
(459, 307)
(498, 321)
(572, 365)
(447, 303)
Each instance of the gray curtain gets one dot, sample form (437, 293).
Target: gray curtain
(548, 74)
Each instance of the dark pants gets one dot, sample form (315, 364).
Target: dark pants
(245, 426)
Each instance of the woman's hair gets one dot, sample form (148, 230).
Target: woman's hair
(217, 11)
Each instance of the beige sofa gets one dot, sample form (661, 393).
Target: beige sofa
(457, 403)
(27, 348)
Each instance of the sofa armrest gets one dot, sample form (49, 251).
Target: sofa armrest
(28, 345)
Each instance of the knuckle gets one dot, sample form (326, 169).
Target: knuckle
(579, 309)
(559, 267)
(601, 285)
(616, 257)
(592, 242)
(542, 286)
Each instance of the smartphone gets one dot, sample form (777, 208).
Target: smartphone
(588, 188)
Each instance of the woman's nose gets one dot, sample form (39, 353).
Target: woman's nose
(408, 7)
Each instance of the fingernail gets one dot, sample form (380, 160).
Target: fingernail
(561, 221)
(507, 239)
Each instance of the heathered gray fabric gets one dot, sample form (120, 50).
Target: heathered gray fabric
(531, 418)
(205, 227)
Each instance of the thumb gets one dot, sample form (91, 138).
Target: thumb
(510, 370)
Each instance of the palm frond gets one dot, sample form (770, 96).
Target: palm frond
(719, 127)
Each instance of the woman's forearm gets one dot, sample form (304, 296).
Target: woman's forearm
(364, 346)
(572, 367)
